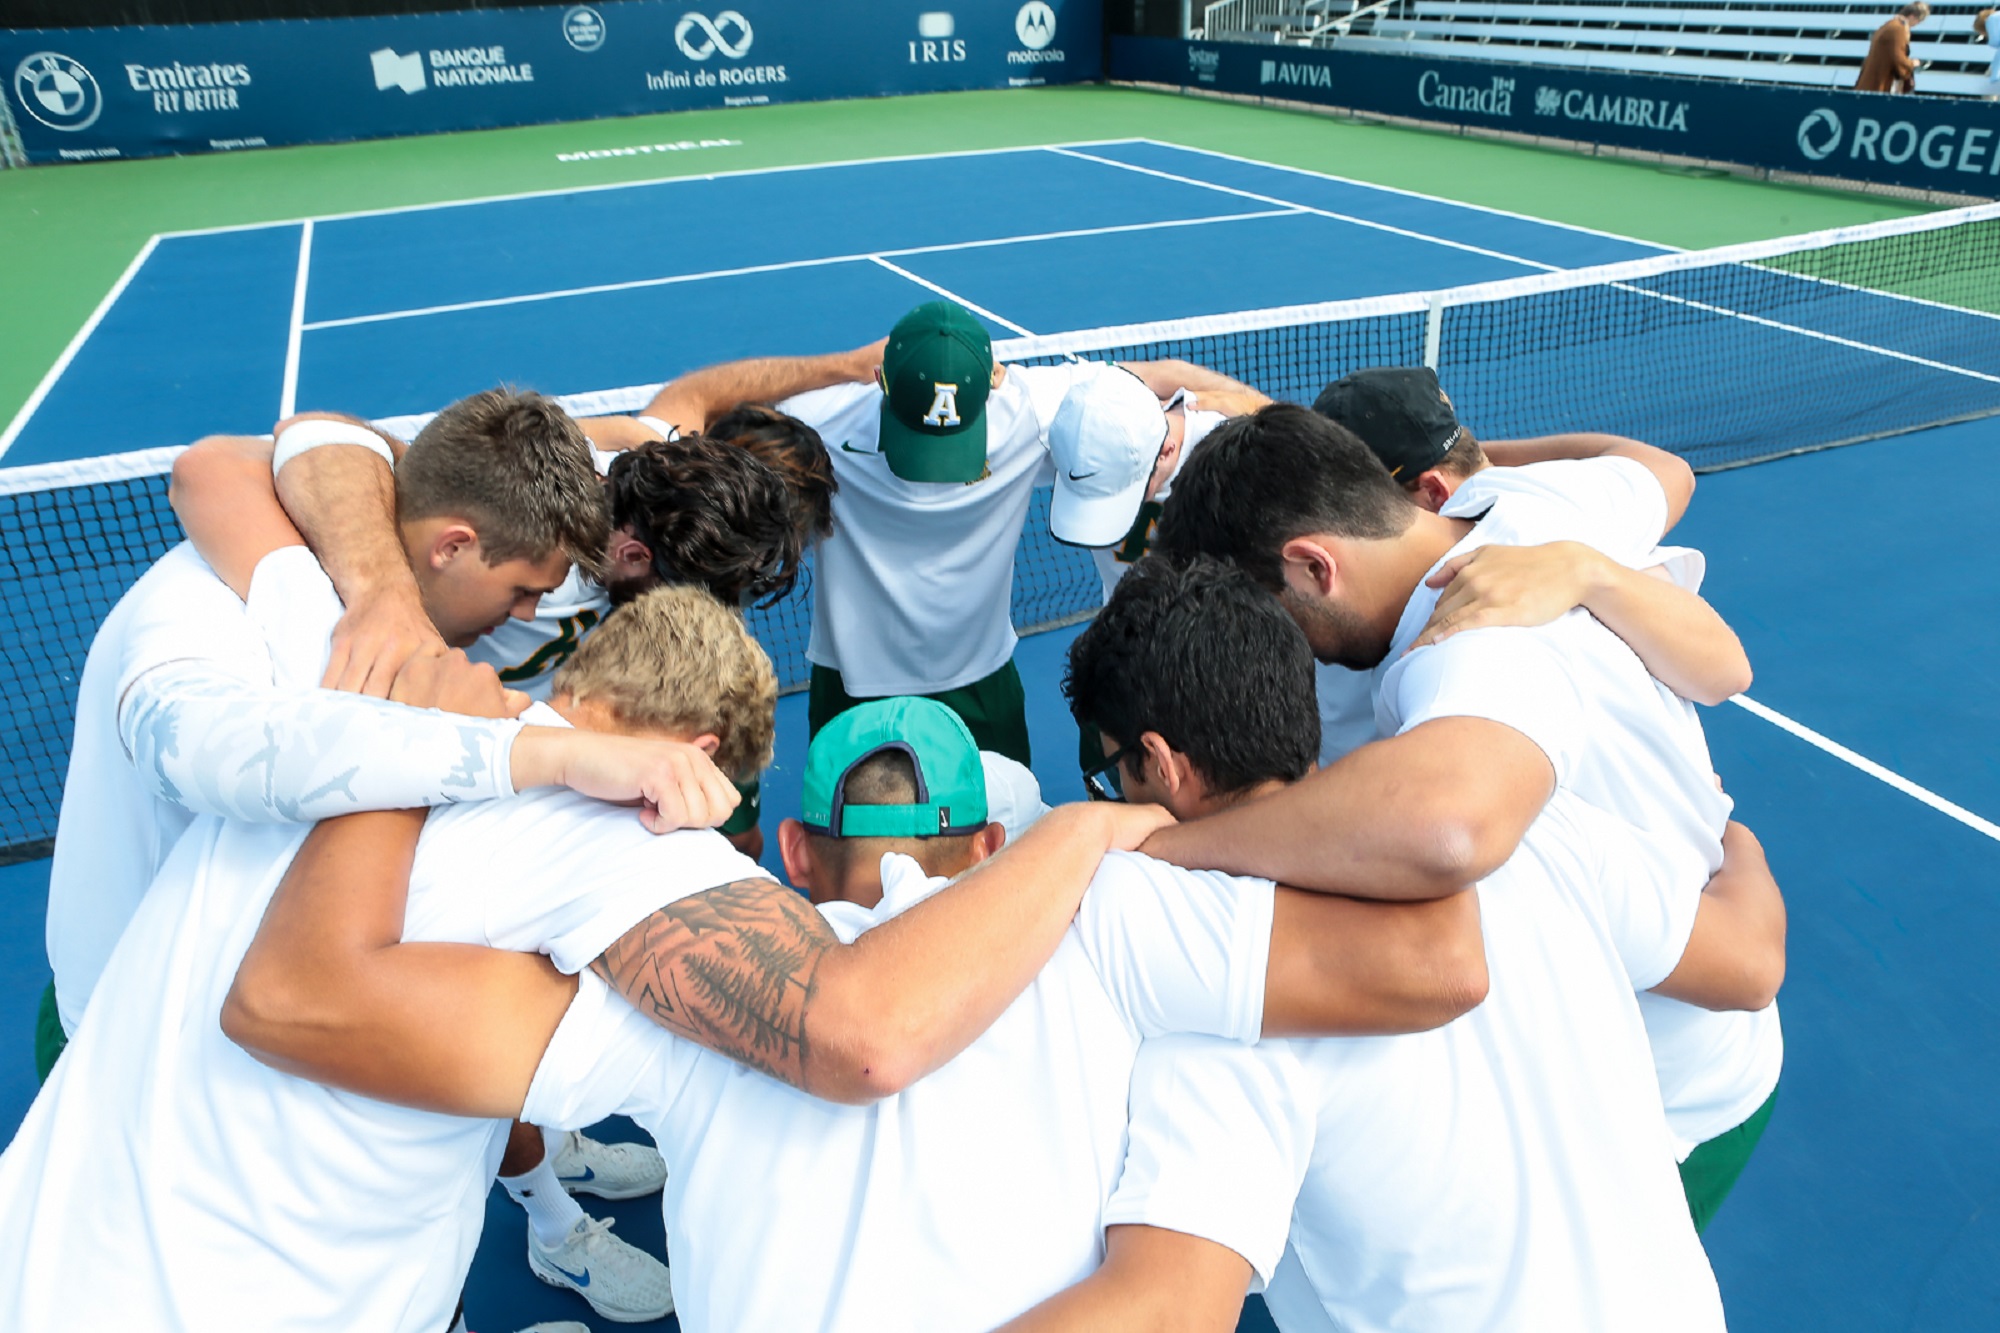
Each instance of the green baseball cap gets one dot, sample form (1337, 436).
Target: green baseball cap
(936, 373)
(951, 782)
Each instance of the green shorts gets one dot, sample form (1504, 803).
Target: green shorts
(994, 709)
(49, 1035)
(1711, 1170)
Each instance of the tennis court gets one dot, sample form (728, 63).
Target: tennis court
(1853, 575)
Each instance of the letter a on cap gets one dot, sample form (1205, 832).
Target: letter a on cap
(944, 406)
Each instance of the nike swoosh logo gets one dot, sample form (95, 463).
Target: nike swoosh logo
(1081, 476)
(581, 1279)
(589, 1173)
(845, 447)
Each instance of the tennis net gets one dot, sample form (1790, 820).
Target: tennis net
(1727, 357)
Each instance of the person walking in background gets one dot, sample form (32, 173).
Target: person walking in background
(1987, 33)
(1888, 68)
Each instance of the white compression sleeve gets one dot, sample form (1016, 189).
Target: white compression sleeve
(211, 743)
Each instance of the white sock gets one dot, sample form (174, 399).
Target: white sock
(551, 1212)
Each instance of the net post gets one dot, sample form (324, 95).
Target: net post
(1433, 328)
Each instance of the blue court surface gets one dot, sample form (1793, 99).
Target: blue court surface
(1856, 578)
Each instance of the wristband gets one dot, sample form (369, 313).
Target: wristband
(666, 430)
(303, 436)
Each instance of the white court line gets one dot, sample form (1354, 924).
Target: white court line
(48, 381)
(1317, 212)
(638, 284)
(288, 396)
(638, 184)
(950, 295)
(1869, 766)
(1835, 339)
(1407, 194)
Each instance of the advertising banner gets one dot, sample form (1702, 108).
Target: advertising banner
(1950, 144)
(85, 93)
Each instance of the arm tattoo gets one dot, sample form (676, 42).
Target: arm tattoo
(732, 969)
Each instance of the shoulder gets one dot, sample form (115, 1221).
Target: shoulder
(833, 404)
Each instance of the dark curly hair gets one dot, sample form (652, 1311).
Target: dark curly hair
(712, 515)
(793, 450)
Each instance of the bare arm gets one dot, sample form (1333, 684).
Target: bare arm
(1344, 967)
(750, 971)
(1679, 637)
(698, 397)
(1735, 958)
(1216, 391)
(1419, 815)
(615, 435)
(221, 492)
(1676, 478)
(329, 992)
(1151, 1281)
(343, 498)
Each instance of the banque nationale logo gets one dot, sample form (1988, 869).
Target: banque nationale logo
(58, 91)
(699, 37)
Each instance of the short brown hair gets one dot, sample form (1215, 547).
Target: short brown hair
(678, 660)
(518, 469)
(1464, 458)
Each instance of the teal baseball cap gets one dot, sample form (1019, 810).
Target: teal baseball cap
(936, 372)
(951, 781)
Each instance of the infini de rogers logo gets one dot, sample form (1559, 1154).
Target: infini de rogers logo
(700, 37)
(58, 91)
(1492, 99)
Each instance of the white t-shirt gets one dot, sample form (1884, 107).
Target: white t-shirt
(970, 1196)
(1509, 1171)
(165, 1180)
(913, 584)
(1113, 561)
(114, 832)
(1617, 737)
(188, 705)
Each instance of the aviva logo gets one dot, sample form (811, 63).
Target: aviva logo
(1305, 76)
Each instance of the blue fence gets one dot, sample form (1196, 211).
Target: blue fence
(1936, 143)
(85, 93)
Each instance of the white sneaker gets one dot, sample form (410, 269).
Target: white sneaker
(622, 1283)
(608, 1170)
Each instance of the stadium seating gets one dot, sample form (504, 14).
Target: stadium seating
(1774, 41)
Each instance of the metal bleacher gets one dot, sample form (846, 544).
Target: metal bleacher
(1773, 41)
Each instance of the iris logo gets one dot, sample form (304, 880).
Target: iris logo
(1819, 134)
(936, 30)
(58, 91)
(583, 28)
(709, 35)
(1035, 25)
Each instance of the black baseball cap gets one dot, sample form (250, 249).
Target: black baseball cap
(1399, 412)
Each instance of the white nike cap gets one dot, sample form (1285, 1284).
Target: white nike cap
(1013, 796)
(1106, 437)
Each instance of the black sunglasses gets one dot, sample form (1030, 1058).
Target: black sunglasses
(1103, 782)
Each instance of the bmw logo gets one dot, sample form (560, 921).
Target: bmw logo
(57, 91)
